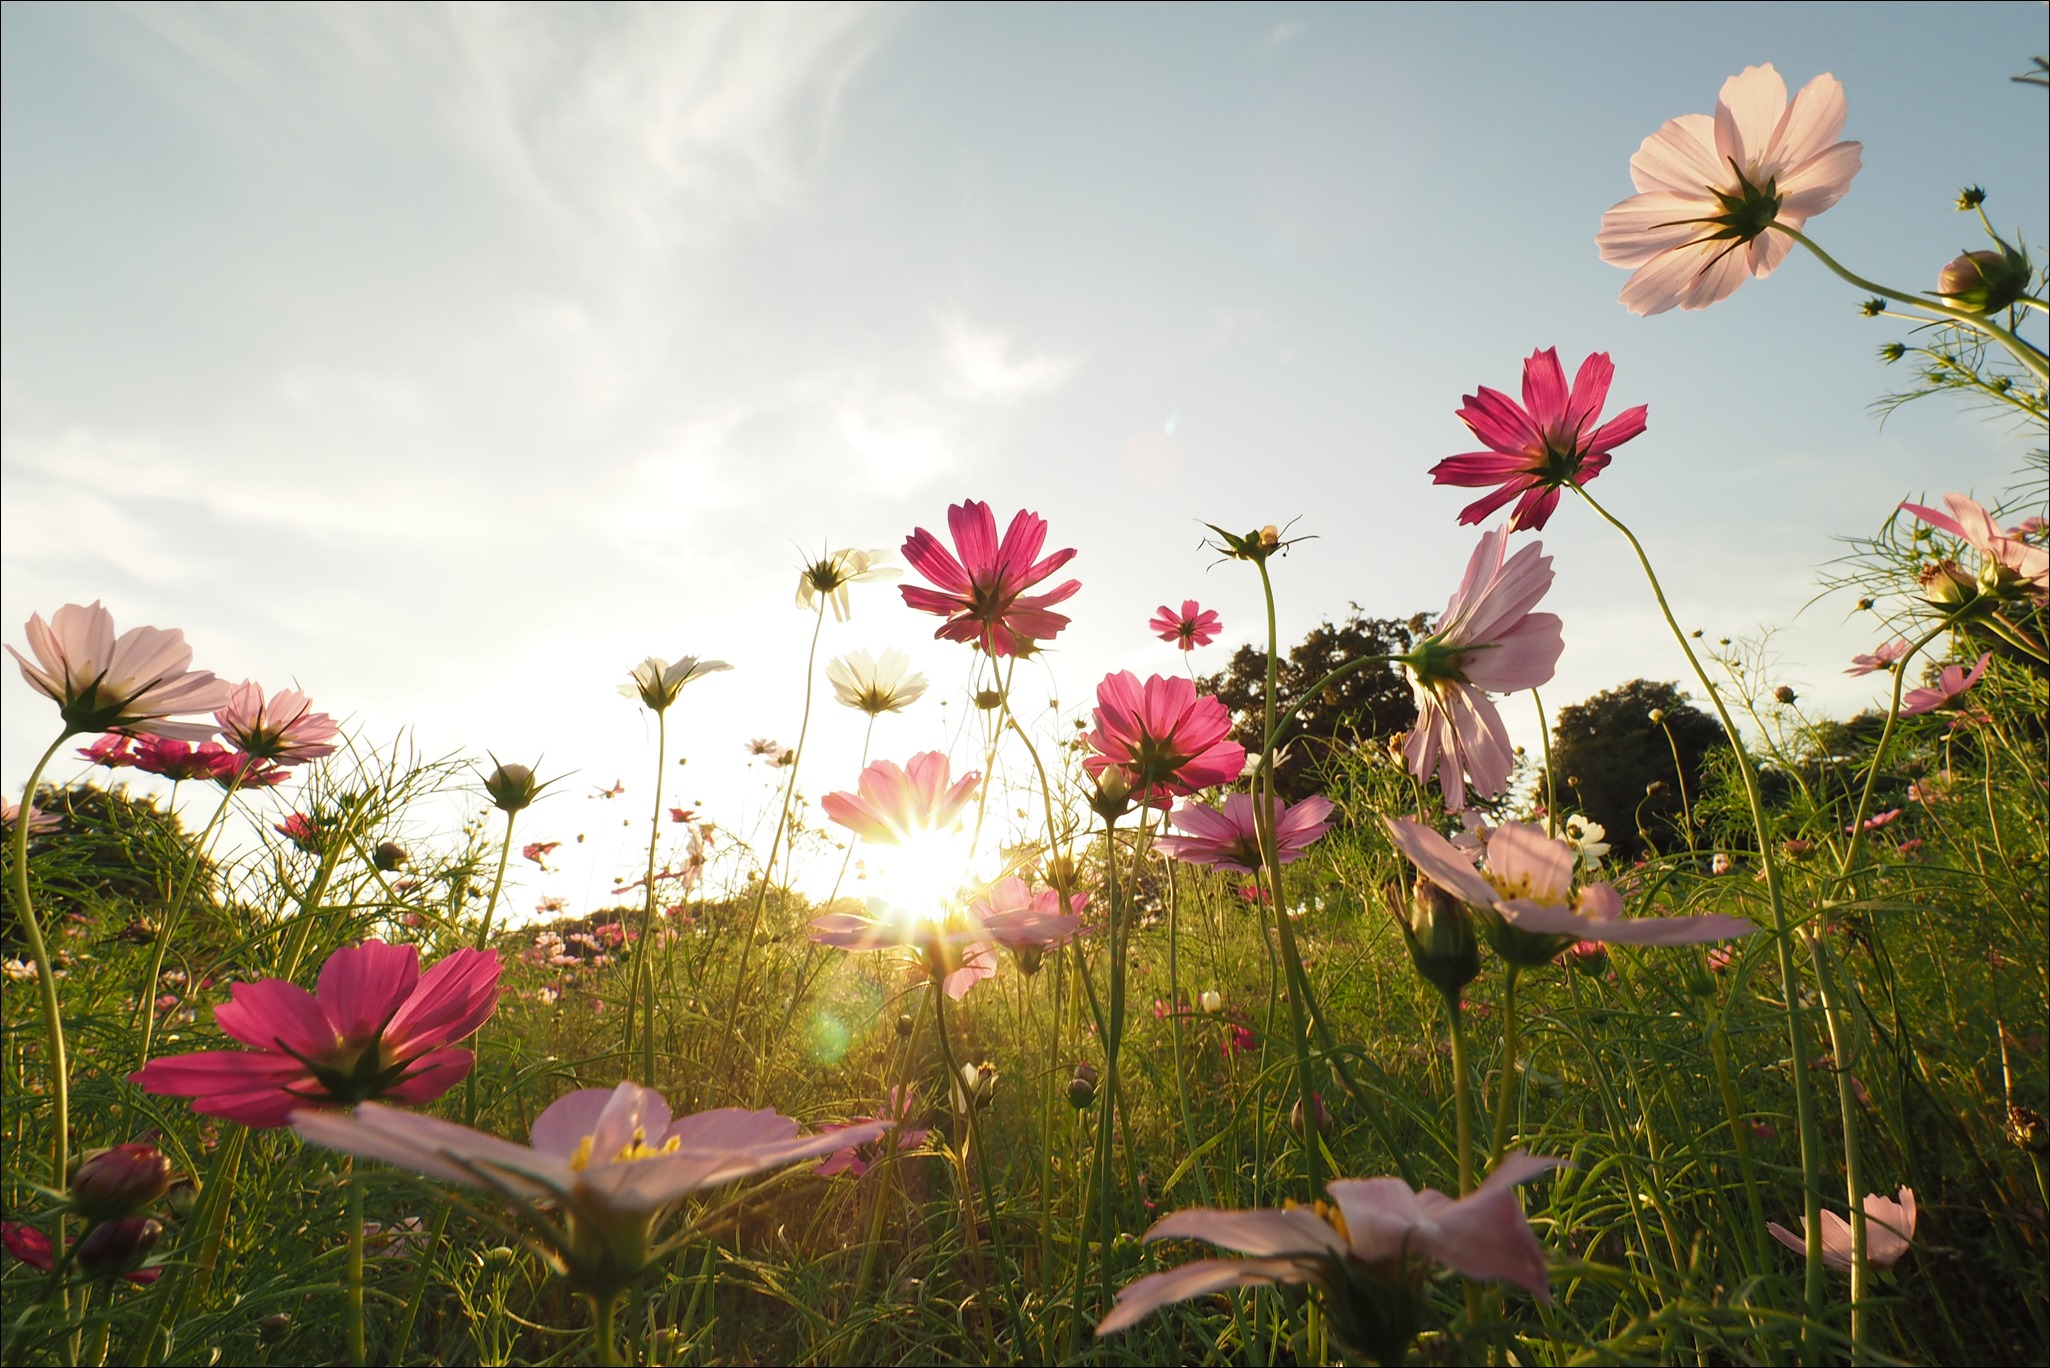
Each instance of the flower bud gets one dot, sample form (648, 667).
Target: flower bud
(1784, 694)
(1700, 978)
(1113, 796)
(1985, 281)
(1970, 198)
(2028, 1130)
(1212, 1000)
(1720, 864)
(511, 787)
(988, 700)
(117, 1181)
(1082, 1087)
(1946, 585)
(119, 1246)
(977, 1084)
(1439, 930)
(1658, 715)
(273, 1328)
(498, 1256)
(389, 855)
(905, 1025)
(183, 1197)
(1295, 1115)
(1588, 957)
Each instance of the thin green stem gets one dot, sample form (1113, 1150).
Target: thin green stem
(644, 972)
(605, 1347)
(146, 994)
(483, 940)
(1507, 1093)
(1462, 1092)
(46, 984)
(358, 1352)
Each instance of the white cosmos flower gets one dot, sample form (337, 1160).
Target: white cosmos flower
(656, 682)
(1586, 837)
(832, 573)
(875, 686)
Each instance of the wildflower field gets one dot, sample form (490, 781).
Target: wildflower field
(1156, 1030)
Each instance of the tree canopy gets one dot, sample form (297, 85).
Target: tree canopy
(1616, 765)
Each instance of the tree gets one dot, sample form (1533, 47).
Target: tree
(1369, 703)
(1615, 764)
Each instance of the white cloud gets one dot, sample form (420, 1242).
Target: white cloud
(985, 370)
(898, 458)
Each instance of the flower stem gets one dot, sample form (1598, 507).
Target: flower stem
(497, 885)
(46, 984)
(1783, 934)
(1506, 1095)
(605, 1350)
(1462, 1092)
(2028, 355)
(146, 995)
(358, 1353)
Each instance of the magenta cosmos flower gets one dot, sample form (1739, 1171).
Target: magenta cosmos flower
(134, 682)
(895, 805)
(1535, 448)
(981, 593)
(611, 1160)
(1193, 626)
(1487, 639)
(2004, 557)
(1356, 1252)
(375, 1027)
(1889, 1230)
(1528, 882)
(1952, 684)
(1711, 188)
(283, 729)
(1164, 738)
(1228, 838)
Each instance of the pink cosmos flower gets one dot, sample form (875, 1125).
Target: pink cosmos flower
(1889, 1229)
(1193, 626)
(1165, 738)
(1528, 882)
(113, 751)
(1028, 924)
(302, 831)
(1882, 659)
(982, 593)
(1356, 1256)
(1710, 190)
(283, 729)
(134, 682)
(858, 1158)
(1537, 447)
(375, 1027)
(955, 952)
(611, 1161)
(894, 805)
(538, 852)
(1487, 639)
(1950, 688)
(1878, 820)
(1228, 839)
(2006, 556)
(10, 813)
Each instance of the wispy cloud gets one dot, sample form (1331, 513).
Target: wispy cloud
(985, 369)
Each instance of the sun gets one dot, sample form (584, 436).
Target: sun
(923, 879)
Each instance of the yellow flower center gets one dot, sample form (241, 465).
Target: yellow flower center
(632, 1152)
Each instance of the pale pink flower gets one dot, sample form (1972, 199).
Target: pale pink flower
(1028, 924)
(982, 593)
(134, 682)
(10, 813)
(1952, 683)
(375, 1027)
(1165, 738)
(283, 729)
(1877, 820)
(1193, 626)
(859, 1157)
(1528, 882)
(1711, 188)
(2004, 556)
(610, 1161)
(1380, 1224)
(1889, 1230)
(1227, 839)
(955, 952)
(1488, 639)
(1883, 658)
(895, 805)
(1536, 448)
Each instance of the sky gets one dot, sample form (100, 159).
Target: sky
(445, 361)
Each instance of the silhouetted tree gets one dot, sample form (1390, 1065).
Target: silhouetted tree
(1615, 763)
(1369, 703)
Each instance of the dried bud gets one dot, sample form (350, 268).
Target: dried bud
(1797, 848)
(2028, 1130)
(117, 1181)
(1985, 281)
(1970, 198)
(1439, 930)
(389, 855)
(1656, 787)
(989, 700)
(1872, 308)
(1082, 1087)
(119, 1246)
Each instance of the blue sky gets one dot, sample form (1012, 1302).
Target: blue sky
(449, 361)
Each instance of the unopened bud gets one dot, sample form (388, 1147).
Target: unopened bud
(183, 1197)
(273, 1328)
(1212, 1000)
(498, 1256)
(1797, 848)
(977, 1085)
(119, 1246)
(989, 699)
(1658, 715)
(1113, 796)
(1984, 281)
(1945, 585)
(511, 787)
(389, 855)
(2028, 1130)
(905, 1025)
(1785, 695)
(1589, 957)
(1970, 198)
(1082, 1087)
(116, 1181)
(1439, 931)
(1295, 1115)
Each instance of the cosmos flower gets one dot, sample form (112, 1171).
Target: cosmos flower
(610, 1160)
(1952, 683)
(875, 686)
(954, 951)
(375, 1027)
(135, 682)
(656, 682)
(283, 729)
(1536, 448)
(830, 575)
(1163, 738)
(1487, 639)
(2005, 558)
(1889, 1230)
(1028, 924)
(1711, 188)
(1586, 837)
(1884, 658)
(10, 813)
(857, 1159)
(981, 593)
(1228, 839)
(112, 751)
(1355, 1251)
(895, 805)
(1528, 882)
(1193, 626)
